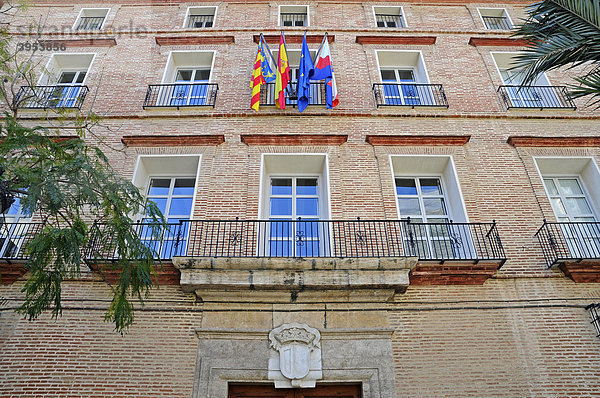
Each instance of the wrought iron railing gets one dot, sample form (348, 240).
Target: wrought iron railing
(200, 21)
(293, 19)
(409, 94)
(178, 95)
(317, 94)
(389, 21)
(595, 315)
(89, 23)
(14, 238)
(542, 97)
(43, 97)
(569, 241)
(312, 238)
(497, 23)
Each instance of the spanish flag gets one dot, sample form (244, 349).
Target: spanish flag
(283, 74)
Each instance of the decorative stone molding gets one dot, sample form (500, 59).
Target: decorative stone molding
(361, 355)
(295, 359)
(416, 140)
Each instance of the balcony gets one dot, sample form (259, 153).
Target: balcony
(14, 238)
(574, 247)
(200, 21)
(317, 94)
(410, 95)
(389, 21)
(90, 23)
(497, 23)
(180, 95)
(55, 97)
(536, 97)
(299, 238)
(569, 241)
(293, 19)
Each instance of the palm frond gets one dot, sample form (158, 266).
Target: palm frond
(559, 33)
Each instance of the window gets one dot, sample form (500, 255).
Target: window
(293, 16)
(427, 191)
(495, 18)
(91, 19)
(61, 85)
(169, 182)
(405, 82)
(539, 94)
(186, 80)
(295, 198)
(266, 391)
(14, 227)
(573, 188)
(200, 17)
(389, 17)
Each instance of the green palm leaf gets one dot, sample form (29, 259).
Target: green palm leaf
(562, 33)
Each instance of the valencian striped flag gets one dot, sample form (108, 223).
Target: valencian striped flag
(283, 74)
(261, 74)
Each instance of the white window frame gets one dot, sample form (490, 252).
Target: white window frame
(402, 16)
(323, 187)
(505, 14)
(91, 8)
(166, 79)
(419, 70)
(48, 73)
(143, 181)
(293, 5)
(562, 197)
(187, 15)
(11, 232)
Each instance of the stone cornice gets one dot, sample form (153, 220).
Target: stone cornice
(531, 141)
(293, 139)
(400, 40)
(172, 140)
(193, 40)
(496, 42)
(329, 334)
(416, 140)
(100, 42)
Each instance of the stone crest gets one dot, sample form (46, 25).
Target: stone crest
(295, 356)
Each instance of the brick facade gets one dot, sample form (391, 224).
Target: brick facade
(521, 330)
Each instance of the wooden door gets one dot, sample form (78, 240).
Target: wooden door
(261, 391)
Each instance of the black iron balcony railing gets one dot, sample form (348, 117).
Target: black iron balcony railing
(200, 21)
(497, 23)
(595, 315)
(293, 19)
(14, 238)
(181, 95)
(542, 97)
(569, 241)
(409, 94)
(317, 94)
(312, 238)
(43, 97)
(90, 23)
(389, 21)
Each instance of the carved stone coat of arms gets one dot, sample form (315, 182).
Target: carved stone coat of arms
(295, 356)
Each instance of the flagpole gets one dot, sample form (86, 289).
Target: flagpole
(268, 49)
(321, 46)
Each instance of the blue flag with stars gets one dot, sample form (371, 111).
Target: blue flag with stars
(306, 67)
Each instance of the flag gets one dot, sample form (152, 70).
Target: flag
(261, 74)
(306, 67)
(283, 75)
(324, 70)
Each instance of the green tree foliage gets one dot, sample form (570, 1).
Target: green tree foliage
(563, 33)
(67, 183)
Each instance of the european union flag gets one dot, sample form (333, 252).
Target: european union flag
(267, 72)
(306, 67)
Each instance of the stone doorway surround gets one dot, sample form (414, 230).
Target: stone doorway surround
(240, 356)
